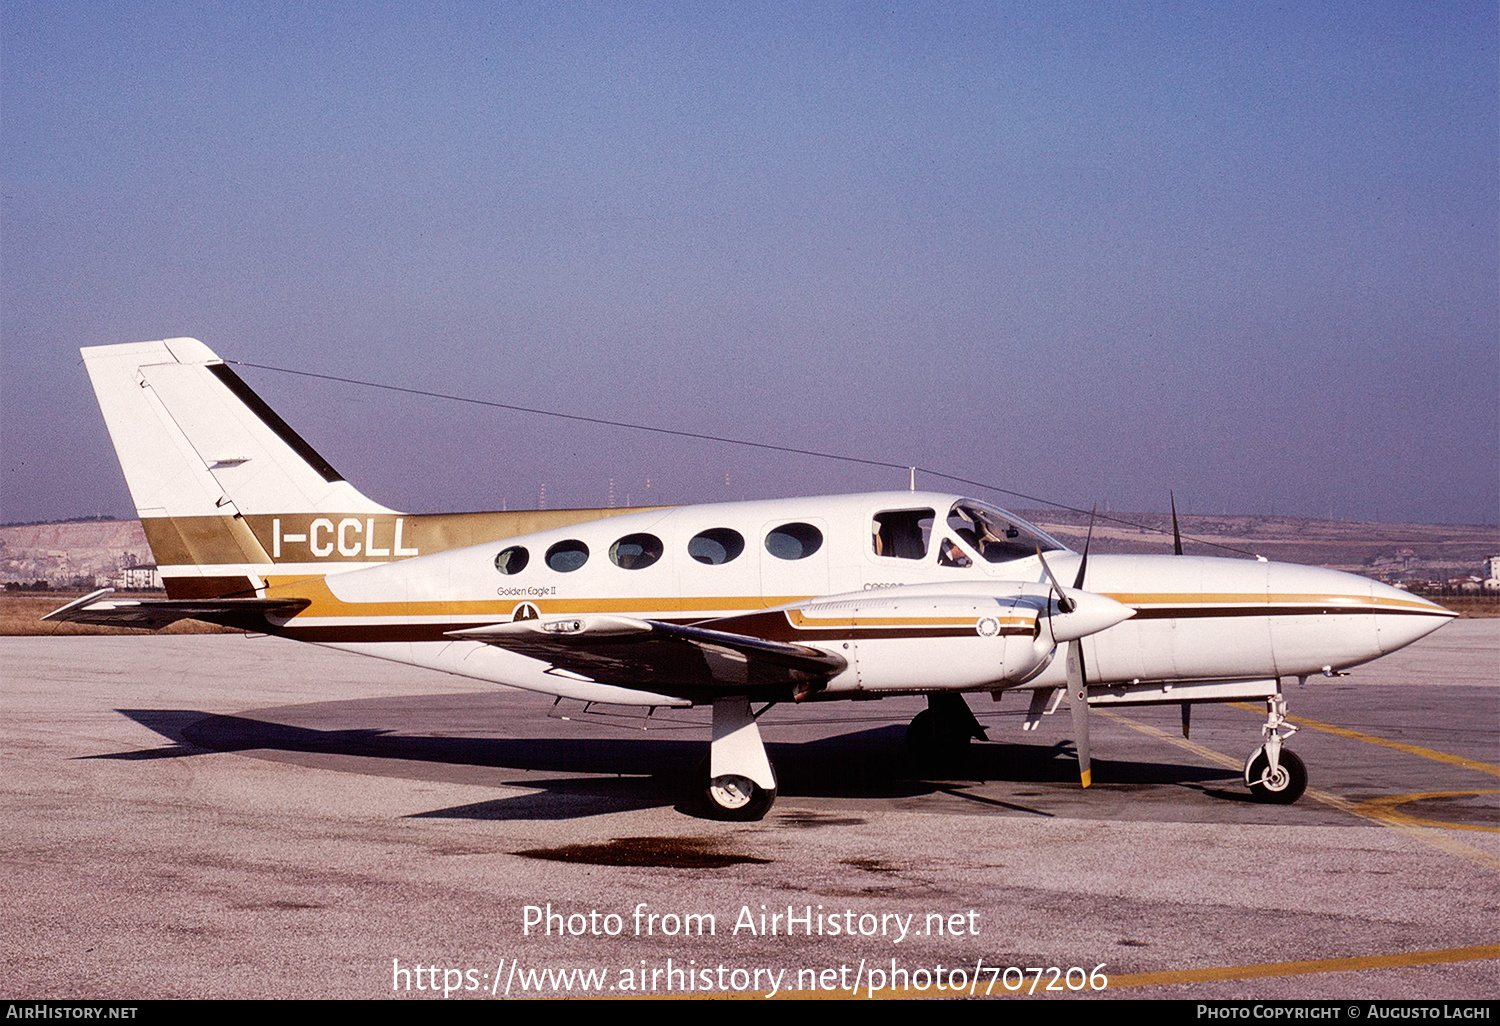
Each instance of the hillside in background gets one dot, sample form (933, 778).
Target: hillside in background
(79, 554)
(1399, 553)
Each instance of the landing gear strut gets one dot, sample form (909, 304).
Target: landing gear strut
(1275, 776)
(737, 783)
(940, 734)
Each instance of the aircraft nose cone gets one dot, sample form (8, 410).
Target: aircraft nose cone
(1328, 618)
(1402, 618)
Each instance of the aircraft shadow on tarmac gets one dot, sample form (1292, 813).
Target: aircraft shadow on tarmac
(626, 774)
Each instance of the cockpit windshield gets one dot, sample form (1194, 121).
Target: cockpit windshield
(996, 535)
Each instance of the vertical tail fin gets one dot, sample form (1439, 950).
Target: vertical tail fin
(214, 471)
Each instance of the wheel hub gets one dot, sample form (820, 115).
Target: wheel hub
(731, 791)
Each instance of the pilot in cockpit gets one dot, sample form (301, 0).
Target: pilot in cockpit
(949, 554)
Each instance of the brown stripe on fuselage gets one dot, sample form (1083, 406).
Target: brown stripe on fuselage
(350, 633)
(759, 618)
(799, 618)
(779, 625)
(1198, 612)
(783, 623)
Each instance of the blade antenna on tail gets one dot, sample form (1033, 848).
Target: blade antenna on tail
(1176, 532)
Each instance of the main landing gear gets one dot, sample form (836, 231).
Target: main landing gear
(940, 734)
(1275, 776)
(737, 782)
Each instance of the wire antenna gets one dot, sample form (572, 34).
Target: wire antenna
(726, 440)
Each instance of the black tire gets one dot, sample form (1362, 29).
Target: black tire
(1286, 787)
(921, 736)
(930, 745)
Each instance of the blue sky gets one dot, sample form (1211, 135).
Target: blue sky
(1249, 252)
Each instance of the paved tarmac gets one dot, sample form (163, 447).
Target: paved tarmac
(218, 816)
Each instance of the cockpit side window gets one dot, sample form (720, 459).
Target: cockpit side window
(996, 535)
(903, 533)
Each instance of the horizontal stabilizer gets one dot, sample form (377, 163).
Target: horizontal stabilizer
(153, 614)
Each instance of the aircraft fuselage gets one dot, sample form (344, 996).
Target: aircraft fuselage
(908, 622)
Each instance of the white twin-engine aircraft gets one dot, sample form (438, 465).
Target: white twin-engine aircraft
(729, 605)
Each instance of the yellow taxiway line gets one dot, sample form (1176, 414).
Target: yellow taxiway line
(1167, 978)
(1444, 956)
(1423, 832)
(1400, 746)
(1385, 808)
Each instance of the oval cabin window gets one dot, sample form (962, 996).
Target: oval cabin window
(567, 556)
(716, 545)
(512, 560)
(794, 541)
(635, 551)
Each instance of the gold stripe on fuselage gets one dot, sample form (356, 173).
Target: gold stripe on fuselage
(1206, 600)
(324, 603)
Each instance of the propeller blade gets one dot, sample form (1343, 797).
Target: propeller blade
(1078, 699)
(1064, 603)
(1176, 532)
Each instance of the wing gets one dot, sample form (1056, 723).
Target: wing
(249, 614)
(695, 662)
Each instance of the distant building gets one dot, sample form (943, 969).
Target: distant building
(137, 577)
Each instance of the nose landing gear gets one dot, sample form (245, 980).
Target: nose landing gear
(1275, 776)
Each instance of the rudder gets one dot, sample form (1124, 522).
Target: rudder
(210, 467)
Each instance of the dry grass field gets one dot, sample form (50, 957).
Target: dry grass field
(21, 615)
(1471, 605)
